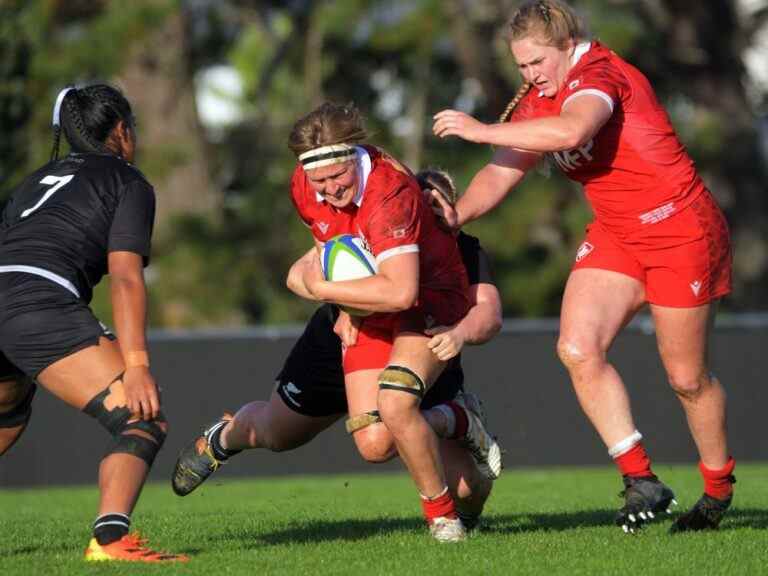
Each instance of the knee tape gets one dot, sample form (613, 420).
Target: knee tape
(402, 379)
(20, 413)
(361, 421)
(116, 423)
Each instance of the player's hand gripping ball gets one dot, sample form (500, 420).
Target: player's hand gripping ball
(345, 257)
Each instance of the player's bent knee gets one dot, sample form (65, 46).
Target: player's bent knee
(375, 444)
(140, 438)
(687, 384)
(572, 355)
(21, 412)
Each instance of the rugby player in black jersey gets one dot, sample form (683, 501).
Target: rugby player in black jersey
(310, 392)
(65, 226)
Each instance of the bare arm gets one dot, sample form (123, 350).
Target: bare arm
(482, 322)
(491, 185)
(393, 288)
(129, 309)
(577, 123)
(295, 279)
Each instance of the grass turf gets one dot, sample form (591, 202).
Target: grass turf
(554, 521)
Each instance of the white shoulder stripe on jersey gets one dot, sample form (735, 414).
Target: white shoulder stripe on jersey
(52, 276)
(589, 91)
(396, 251)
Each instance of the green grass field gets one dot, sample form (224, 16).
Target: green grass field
(554, 521)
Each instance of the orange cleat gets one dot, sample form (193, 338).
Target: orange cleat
(130, 548)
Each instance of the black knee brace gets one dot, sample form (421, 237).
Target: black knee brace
(123, 442)
(20, 413)
(402, 379)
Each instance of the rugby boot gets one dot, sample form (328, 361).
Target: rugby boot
(644, 497)
(197, 461)
(706, 514)
(484, 448)
(445, 529)
(130, 548)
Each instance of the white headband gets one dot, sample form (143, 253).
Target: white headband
(325, 155)
(57, 107)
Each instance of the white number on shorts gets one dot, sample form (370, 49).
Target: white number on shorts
(56, 182)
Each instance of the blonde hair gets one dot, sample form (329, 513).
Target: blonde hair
(552, 21)
(329, 123)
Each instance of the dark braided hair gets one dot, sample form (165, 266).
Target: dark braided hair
(88, 116)
(440, 180)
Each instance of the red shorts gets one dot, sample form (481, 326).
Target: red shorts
(683, 261)
(375, 339)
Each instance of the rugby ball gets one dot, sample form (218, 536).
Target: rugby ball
(344, 257)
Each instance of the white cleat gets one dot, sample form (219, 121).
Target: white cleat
(484, 448)
(445, 529)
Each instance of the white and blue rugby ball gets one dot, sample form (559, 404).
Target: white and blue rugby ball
(344, 257)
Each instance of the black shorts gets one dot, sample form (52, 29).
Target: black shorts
(42, 322)
(311, 381)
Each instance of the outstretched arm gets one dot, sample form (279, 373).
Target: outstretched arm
(577, 123)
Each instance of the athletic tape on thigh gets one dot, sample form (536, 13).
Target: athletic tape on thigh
(361, 421)
(402, 379)
(20, 413)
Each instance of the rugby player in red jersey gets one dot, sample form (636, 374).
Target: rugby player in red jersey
(657, 238)
(340, 187)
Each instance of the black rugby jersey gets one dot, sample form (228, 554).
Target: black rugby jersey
(475, 260)
(67, 216)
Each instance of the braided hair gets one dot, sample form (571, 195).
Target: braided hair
(440, 180)
(87, 116)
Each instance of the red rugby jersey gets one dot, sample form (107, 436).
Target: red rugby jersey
(634, 171)
(392, 217)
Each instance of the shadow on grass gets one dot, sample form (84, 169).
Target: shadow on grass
(746, 518)
(354, 529)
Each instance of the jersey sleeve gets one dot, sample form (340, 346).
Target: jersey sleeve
(475, 260)
(599, 79)
(298, 196)
(131, 229)
(393, 227)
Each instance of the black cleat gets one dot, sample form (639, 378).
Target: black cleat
(644, 498)
(706, 514)
(197, 461)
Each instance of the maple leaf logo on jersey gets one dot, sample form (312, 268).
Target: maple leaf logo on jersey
(584, 251)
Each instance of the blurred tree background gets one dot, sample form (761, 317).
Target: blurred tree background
(217, 84)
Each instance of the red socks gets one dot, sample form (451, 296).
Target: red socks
(719, 483)
(634, 462)
(439, 506)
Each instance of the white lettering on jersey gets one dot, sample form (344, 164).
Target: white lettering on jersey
(657, 214)
(584, 251)
(572, 159)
